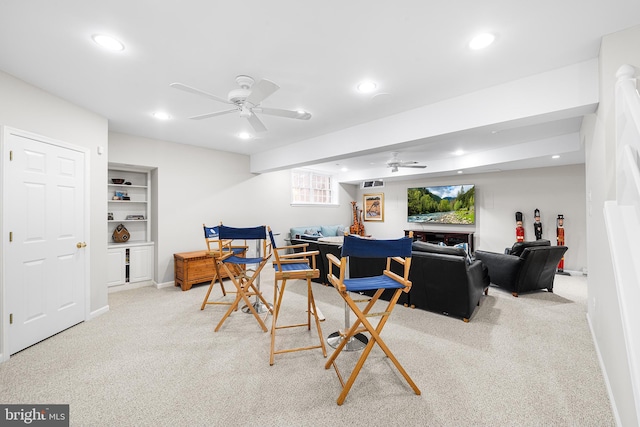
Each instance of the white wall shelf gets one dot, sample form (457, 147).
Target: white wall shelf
(132, 261)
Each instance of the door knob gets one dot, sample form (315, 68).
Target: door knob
(81, 245)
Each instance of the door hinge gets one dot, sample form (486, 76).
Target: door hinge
(11, 236)
(11, 318)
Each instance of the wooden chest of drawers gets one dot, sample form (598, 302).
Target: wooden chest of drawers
(193, 267)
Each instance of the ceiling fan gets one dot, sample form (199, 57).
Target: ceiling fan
(246, 100)
(394, 163)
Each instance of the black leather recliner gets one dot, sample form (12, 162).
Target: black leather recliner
(526, 267)
(446, 281)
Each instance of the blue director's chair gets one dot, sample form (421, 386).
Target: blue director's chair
(244, 279)
(215, 249)
(398, 251)
(294, 266)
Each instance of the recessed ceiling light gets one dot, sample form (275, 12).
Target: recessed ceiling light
(459, 171)
(458, 152)
(366, 86)
(556, 156)
(161, 116)
(481, 41)
(108, 42)
(245, 135)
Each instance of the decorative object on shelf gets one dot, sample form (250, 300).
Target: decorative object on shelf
(358, 226)
(127, 183)
(373, 207)
(121, 195)
(537, 225)
(135, 216)
(117, 180)
(560, 240)
(121, 234)
(109, 216)
(519, 228)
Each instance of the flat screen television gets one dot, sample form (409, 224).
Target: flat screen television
(444, 204)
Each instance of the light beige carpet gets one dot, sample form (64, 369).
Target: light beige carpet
(154, 360)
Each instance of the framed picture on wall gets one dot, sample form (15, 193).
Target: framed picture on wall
(373, 207)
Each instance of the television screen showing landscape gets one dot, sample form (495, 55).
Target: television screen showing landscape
(446, 204)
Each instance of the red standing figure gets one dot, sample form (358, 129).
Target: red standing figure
(519, 228)
(560, 239)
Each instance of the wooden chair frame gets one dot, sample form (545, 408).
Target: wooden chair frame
(243, 278)
(215, 248)
(293, 266)
(362, 324)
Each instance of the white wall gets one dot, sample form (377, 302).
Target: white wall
(603, 310)
(556, 190)
(195, 185)
(28, 108)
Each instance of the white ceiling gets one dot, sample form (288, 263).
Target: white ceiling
(317, 51)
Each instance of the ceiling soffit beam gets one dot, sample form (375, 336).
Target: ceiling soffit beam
(573, 88)
(488, 159)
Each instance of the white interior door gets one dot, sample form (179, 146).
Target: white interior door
(45, 257)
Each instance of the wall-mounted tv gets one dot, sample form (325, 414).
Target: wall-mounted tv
(444, 204)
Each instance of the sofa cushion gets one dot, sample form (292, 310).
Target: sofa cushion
(330, 230)
(310, 230)
(437, 249)
(519, 247)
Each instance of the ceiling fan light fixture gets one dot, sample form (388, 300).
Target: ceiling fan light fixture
(481, 41)
(108, 42)
(246, 101)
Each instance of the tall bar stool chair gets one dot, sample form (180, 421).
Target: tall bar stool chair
(293, 266)
(398, 251)
(214, 249)
(236, 267)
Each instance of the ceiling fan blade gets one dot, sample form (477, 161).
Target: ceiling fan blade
(261, 90)
(190, 89)
(257, 124)
(217, 113)
(406, 163)
(413, 166)
(302, 115)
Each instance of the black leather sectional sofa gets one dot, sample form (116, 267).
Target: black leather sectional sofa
(321, 261)
(443, 279)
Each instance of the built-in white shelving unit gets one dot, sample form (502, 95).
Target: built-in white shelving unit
(129, 205)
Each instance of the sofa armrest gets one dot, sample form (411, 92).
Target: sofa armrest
(478, 275)
(503, 269)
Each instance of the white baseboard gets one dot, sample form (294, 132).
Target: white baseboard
(164, 285)
(98, 312)
(129, 286)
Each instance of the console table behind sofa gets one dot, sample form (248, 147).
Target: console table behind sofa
(449, 238)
